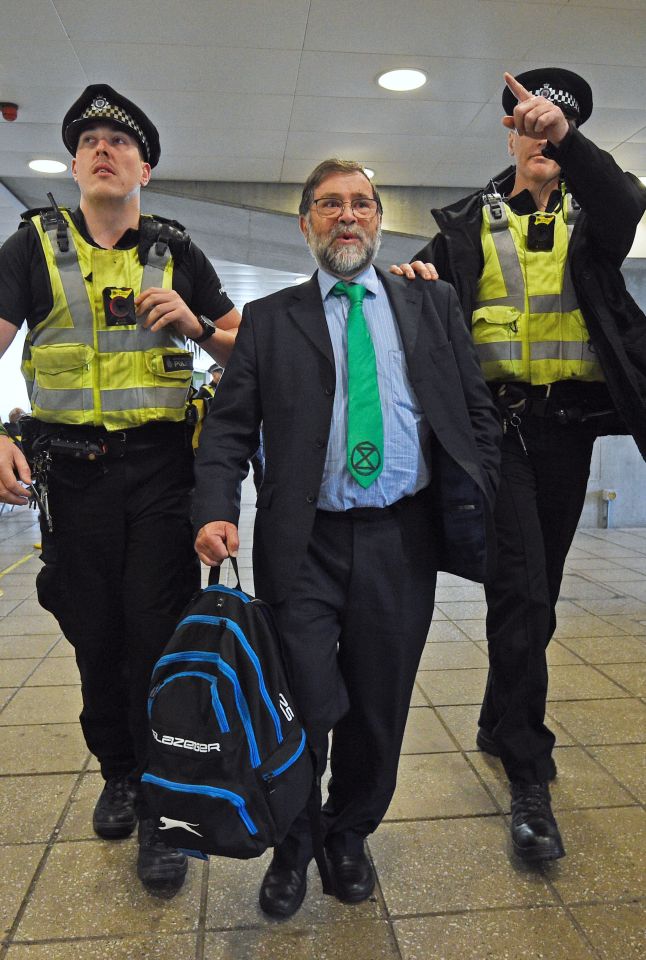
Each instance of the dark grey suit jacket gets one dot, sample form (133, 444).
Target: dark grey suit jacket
(281, 374)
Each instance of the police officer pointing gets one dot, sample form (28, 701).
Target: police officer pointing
(110, 298)
(536, 259)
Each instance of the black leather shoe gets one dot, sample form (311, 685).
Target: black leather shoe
(161, 869)
(534, 832)
(114, 815)
(283, 889)
(352, 875)
(486, 743)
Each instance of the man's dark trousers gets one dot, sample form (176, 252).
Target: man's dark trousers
(539, 503)
(117, 576)
(354, 627)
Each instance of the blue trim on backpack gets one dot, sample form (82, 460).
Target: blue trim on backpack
(215, 700)
(235, 629)
(215, 588)
(213, 792)
(230, 674)
(288, 763)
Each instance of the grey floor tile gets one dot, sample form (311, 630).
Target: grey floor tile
(627, 763)
(452, 656)
(42, 748)
(606, 855)
(630, 676)
(602, 721)
(155, 947)
(444, 687)
(599, 650)
(353, 939)
(91, 889)
(588, 626)
(15, 626)
(444, 631)
(546, 932)
(18, 647)
(77, 824)
(43, 705)
(581, 682)
(445, 865)
(434, 786)
(14, 672)
(31, 806)
(18, 867)
(425, 733)
(616, 930)
(55, 671)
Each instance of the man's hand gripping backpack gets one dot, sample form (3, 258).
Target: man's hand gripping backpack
(229, 767)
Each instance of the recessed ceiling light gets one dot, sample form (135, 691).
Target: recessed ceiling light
(643, 180)
(402, 79)
(369, 173)
(47, 166)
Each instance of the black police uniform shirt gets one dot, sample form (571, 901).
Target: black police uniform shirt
(25, 290)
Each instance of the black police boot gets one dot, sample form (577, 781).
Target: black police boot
(534, 832)
(283, 887)
(161, 869)
(114, 815)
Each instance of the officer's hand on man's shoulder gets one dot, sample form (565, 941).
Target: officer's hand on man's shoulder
(410, 270)
(13, 469)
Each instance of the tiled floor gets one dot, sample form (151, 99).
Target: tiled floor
(448, 888)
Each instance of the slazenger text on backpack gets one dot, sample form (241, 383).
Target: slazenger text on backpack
(186, 744)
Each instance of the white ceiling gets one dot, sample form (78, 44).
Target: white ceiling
(261, 90)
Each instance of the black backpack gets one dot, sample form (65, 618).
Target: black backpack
(229, 767)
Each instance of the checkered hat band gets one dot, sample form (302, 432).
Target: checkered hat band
(562, 97)
(109, 112)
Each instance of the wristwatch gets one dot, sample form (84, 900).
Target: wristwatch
(208, 329)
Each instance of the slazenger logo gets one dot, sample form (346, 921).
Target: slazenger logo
(166, 823)
(169, 741)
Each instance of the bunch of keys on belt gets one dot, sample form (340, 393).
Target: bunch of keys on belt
(42, 501)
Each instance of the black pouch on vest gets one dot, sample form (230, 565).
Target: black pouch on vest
(119, 306)
(540, 232)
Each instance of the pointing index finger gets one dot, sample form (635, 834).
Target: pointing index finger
(517, 88)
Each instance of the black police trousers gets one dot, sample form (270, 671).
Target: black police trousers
(539, 503)
(119, 569)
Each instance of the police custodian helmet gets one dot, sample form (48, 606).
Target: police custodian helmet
(570, 91)
(101, 102)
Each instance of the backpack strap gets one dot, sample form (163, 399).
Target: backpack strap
(314, 813)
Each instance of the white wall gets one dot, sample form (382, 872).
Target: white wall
(12, 385)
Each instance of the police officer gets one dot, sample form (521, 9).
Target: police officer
(536, 258)
(111, 298)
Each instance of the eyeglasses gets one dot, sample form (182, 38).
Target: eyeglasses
(364, 208)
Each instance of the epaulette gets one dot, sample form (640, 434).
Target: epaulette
(163, 233)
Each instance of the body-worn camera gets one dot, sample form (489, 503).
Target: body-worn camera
(540, 232)
(119, 306)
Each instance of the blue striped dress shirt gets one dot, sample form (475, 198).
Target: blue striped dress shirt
(406, 431)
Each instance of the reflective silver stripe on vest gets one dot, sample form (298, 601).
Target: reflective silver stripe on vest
(63, 399)
(141, 397)
(69, 268)
(559, 350)
(509, 265)
(120, 340)
(503, 350)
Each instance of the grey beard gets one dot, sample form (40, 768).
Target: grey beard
(343, 261)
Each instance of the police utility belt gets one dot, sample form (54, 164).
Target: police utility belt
(96, 443)
(566, 401)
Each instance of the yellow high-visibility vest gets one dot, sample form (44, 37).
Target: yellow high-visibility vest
(81, 370)
(526, 323)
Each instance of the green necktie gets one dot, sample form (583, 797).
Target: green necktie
(365, 424)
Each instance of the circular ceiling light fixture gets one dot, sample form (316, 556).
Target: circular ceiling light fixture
(402, 79)
(47, 166)
(369, 173)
